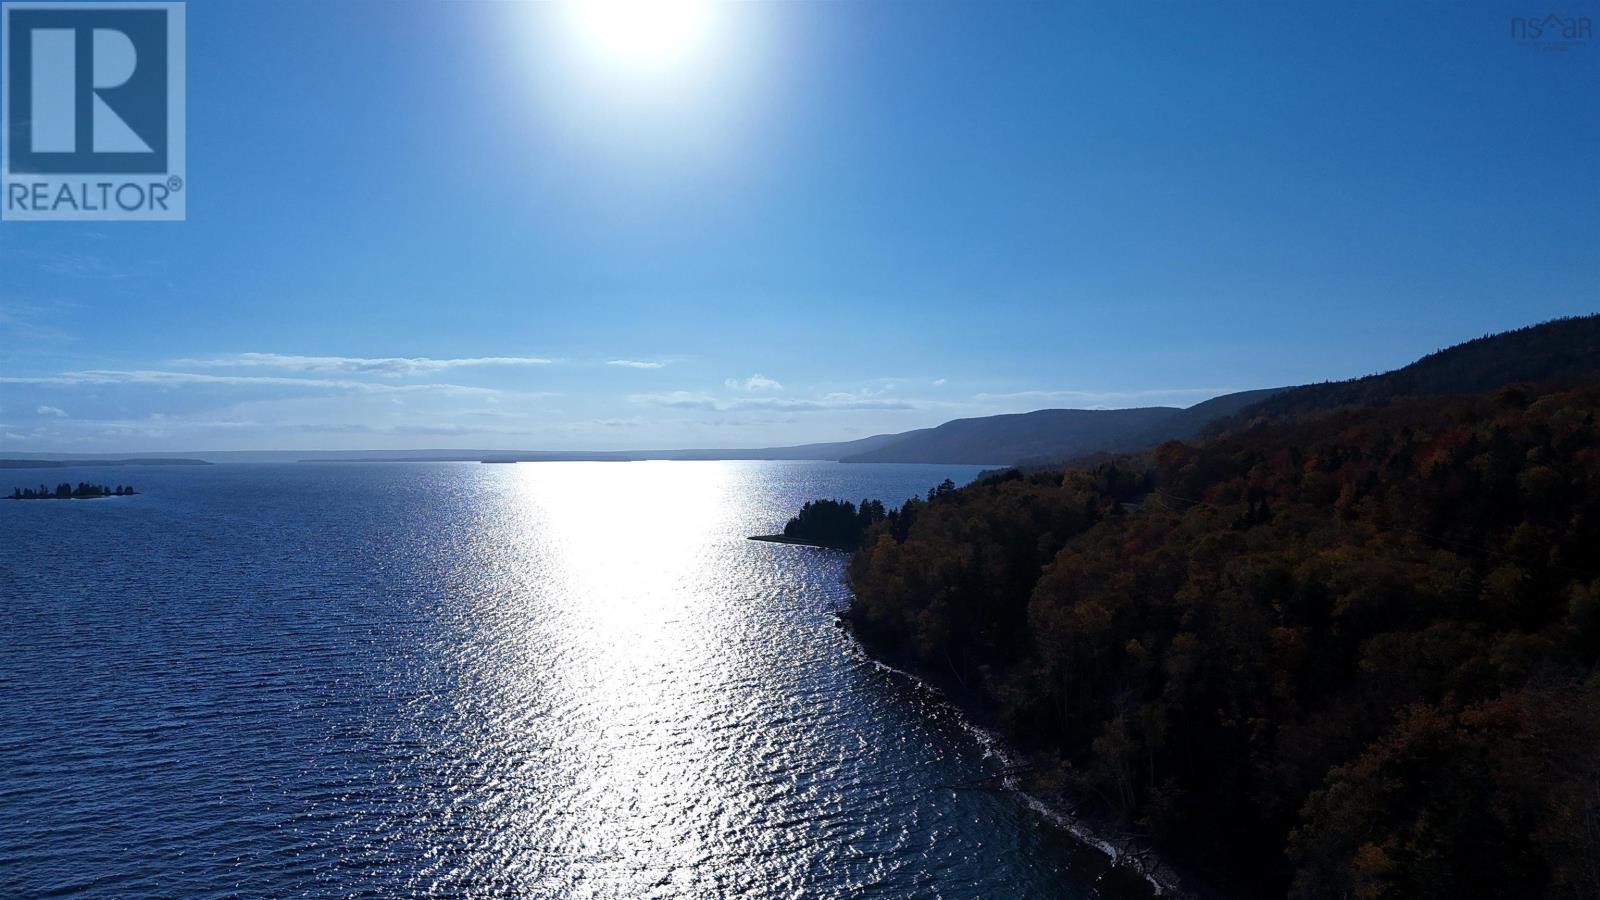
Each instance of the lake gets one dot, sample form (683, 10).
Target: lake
(546, 679)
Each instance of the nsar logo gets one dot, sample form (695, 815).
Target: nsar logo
(93, 111)
(1552, 32)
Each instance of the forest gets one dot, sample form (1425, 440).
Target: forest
(1331, 653)
(839, 524)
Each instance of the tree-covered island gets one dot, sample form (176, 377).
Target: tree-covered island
(65, 491)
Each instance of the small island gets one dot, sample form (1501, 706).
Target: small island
(65, 491)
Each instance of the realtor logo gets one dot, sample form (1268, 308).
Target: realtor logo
(93, 120)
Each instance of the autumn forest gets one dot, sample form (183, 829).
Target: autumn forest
(1344, 645)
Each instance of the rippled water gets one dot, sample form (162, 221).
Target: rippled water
(552, 679)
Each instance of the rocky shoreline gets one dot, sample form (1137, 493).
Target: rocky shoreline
(1035, 778)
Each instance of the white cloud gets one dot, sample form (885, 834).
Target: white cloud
(756, 382)
(388, 366)
(938, 382)
(51, 411)
(635, 364)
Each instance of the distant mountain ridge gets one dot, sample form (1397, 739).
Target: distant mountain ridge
(1005, 439)
(1054, 435)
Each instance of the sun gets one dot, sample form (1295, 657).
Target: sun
(646, 37)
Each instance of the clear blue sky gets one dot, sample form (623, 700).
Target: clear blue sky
(439, 225)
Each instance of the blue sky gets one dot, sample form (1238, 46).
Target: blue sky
(480, 225)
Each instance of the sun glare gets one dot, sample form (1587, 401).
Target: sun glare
(644, 36)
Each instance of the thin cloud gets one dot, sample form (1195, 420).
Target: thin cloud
(851, 403)
(677, 400)
(831, 402)
(756, 382)
(52, 411)
(179, 379)
(33, 325)
(1105, 396)
(410, 430)
(84, 265)
(635, 364)
(387, 366)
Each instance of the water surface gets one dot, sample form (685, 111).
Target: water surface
(549, 679)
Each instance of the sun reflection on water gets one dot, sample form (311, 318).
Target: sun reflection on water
(612, 625)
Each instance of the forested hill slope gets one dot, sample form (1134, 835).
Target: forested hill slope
(1347, 656)
(1550, 351)
(1349, 650)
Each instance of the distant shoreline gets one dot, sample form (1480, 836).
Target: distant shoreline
(75, 463)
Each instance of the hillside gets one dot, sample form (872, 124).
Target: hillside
(1180, 425)
(1007, 438)
(1353, 653)
(1318, 659)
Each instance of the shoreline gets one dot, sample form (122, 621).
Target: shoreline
(1025, 774)
(795, 542)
